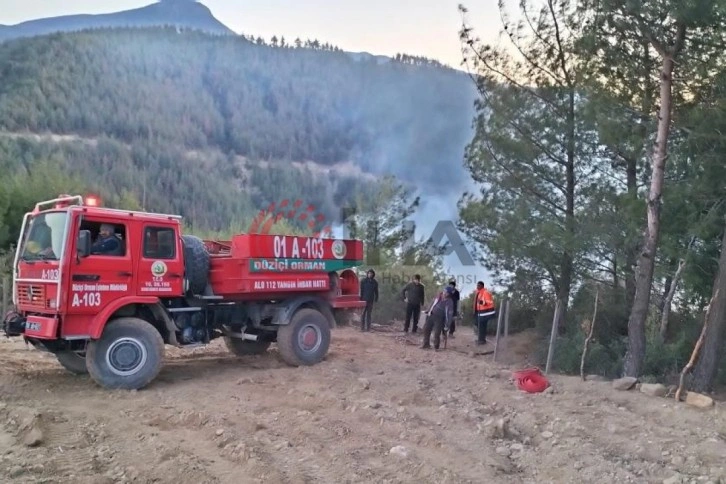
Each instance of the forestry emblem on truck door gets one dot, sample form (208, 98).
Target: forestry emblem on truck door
(339, 250)
(158, 268)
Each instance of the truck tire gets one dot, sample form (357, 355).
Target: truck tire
(128, 355)
(196, 263)
(240, 347)
(73, 362)
(305, 340)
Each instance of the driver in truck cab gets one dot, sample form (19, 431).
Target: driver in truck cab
(107, 242)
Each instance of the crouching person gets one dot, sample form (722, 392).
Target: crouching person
(439, 318)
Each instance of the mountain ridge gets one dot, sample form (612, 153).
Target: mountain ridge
(175, 13)
(184, 14)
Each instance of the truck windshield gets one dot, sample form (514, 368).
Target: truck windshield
(44, 238)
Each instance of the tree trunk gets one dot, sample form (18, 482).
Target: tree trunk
(672, 266)
(668, 300)
(631, 256)
(705, 371)
(590, 334)
(635, 355)
(567, 267)
(631, 171)
(563, 295)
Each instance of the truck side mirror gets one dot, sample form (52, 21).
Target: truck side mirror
(84, 243)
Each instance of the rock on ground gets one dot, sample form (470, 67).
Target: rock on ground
(699, 400)
(654, 389)
(625, 383)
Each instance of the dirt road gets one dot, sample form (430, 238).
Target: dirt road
(377, 410)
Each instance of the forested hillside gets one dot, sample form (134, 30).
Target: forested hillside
(208, 126)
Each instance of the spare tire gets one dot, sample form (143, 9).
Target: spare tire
(196, 263)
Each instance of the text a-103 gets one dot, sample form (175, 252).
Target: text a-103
(285, 246)
(50, 274)
(90, 295)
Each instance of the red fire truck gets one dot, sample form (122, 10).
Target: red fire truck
(105, 289)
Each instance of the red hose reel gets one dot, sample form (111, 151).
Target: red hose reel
(531, 380)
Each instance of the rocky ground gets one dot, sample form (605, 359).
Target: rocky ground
(379, 409)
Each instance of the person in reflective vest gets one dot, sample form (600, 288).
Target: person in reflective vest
(483, 311)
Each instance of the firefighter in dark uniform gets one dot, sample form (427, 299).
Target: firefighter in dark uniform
(369, 294)
(455, 297)
(414, 295)
(439, 318)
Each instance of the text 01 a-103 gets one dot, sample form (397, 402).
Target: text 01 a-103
(298, 247)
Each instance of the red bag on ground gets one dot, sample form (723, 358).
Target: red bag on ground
(531, 380)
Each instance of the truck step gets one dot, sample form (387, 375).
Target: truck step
(183, 310)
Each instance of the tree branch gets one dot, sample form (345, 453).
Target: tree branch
(470, 42)
(531, 61)
(561, 52)
(680, 40)
(554, 208)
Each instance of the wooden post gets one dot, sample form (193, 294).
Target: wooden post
(553, 337)
(500, 319)
(6, 292)
(505, 339)
(506, 323)
(696, 349)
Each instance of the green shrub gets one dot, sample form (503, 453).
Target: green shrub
(601, 360)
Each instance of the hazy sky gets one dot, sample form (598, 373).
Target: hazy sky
(377, 26)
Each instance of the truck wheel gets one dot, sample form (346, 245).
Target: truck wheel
(196, 263)
(73, 362)
(305, 340)
(241, 347)
(128, 355)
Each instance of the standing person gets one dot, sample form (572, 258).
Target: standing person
(483, 311)
(438, 319)
(455, 297)
(413, 294)
(369, 294)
